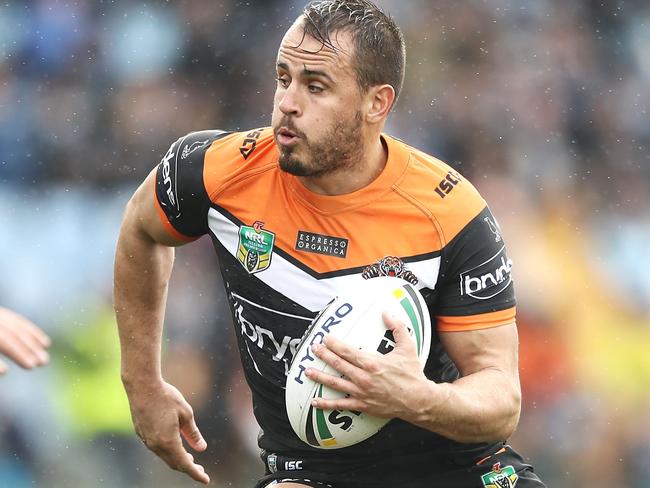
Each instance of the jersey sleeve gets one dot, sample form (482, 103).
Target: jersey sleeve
(475, 284)
(180, 193)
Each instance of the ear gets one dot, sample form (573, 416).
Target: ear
(379, 101)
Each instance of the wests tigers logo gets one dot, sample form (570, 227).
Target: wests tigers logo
(389, 266)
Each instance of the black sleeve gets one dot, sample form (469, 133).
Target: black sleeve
(475, 271)
(179, 183)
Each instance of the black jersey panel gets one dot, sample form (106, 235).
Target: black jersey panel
(475, 271)
(179, 182)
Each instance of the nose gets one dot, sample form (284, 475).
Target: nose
(289, 103)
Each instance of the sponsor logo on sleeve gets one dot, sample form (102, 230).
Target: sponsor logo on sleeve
(169, 178)
(487, 279)
(322, 244)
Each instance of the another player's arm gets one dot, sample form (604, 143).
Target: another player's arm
(484, 404)
(22, 341)
(143, 265)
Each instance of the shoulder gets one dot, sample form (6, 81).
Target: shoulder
(237, 155)
(193, 145)
(216, 144)
(443, 193)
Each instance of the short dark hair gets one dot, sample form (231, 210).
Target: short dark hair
(380, 54)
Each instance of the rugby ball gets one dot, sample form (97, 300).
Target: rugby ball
(356, 318)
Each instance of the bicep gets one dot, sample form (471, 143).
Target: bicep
(489, 348)
(142, 215)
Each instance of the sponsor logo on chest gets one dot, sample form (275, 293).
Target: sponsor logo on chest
(322, 244)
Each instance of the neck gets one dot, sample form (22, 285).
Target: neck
(371, 161)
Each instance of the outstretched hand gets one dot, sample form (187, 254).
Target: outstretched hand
(384, 386)
(22, 341)
(162, 418)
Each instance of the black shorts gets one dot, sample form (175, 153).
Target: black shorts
(501, 468)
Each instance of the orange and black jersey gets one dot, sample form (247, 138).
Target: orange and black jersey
(285, 252)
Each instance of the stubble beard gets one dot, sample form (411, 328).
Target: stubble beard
(340, 149)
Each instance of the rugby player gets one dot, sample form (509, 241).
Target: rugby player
(323, 198)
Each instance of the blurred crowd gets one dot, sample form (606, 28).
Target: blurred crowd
(544, 105)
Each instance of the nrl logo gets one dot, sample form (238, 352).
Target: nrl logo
(187, 150)
(494, 228)
(499, 477)
(389, 266)
(255, 247)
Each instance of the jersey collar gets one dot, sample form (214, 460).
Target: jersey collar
(396, 164)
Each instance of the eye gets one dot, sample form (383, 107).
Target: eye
(282, 81)
(315, 88)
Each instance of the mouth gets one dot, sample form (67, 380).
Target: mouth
(286, 137)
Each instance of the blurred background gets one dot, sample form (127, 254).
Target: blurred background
(543, 105)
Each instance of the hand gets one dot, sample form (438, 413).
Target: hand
(161, 416)
(384, 386)
(22, 341)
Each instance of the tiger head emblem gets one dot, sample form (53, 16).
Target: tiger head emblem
(389, 266)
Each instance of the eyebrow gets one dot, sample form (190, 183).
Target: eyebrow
(307, 72)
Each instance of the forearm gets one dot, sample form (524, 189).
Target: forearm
(142, 270)
(480, 407)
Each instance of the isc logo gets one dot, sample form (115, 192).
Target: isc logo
(250, 143)
(292, 465)
(447, 184)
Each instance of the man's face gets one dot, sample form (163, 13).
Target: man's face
(316, 112)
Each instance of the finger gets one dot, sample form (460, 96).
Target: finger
(327, 354)
(37, 349)
(23, 325)
(3, 367)
(15, 350)
(31, 329)
(195, 471)
(333, 381)
(17, 340)
(351, 354)
(179, 459)
(37, 333)
(349, 403)
(191, 432)
(399, 329)
(32, 346)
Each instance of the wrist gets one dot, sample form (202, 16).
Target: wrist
(141, 381)
(428, 403)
